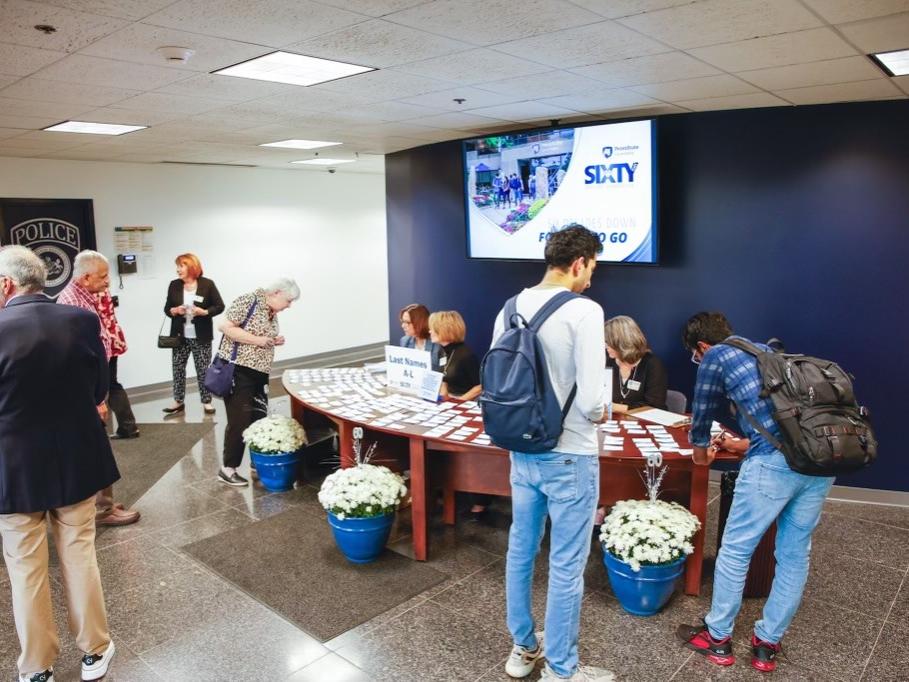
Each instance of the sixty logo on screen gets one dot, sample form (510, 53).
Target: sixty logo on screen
(615, 173)
(56, 241)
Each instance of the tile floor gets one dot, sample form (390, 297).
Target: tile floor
(174, 620)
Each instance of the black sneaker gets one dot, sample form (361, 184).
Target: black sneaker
(763, 655)
(45, 676)
(95, 666)
(235, 479)
(698, 638)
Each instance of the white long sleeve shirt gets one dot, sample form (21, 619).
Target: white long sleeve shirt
(575, 348)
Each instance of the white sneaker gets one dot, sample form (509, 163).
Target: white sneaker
(45, 676)
(521, 661)
(584, 673)
(95, 666)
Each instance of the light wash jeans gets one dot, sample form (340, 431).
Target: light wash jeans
(565, 487)
(767, 490)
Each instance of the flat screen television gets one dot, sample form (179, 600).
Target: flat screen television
(522, 187)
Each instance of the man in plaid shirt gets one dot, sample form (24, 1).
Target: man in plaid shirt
(766, 490)
(91, 277)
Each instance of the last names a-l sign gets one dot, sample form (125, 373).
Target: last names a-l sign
(406, 367)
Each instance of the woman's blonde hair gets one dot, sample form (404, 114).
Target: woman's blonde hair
(625, 337)
(448, 326)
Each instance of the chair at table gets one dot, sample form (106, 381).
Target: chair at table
(676, 401)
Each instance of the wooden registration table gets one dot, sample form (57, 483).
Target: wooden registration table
(449, 465)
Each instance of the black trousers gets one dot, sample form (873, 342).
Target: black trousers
(118, 402)
(247, 403)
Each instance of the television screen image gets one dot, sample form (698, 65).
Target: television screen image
(522, 187)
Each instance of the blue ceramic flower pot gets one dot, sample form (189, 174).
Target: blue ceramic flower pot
(361, 540)
(644, 592)
(276, 472)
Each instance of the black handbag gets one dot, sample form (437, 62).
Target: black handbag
(219, 377)
(168, 341)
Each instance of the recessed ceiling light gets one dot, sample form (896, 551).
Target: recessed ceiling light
(324, 162)
(92, 128)
(300, 144)
(894, 63)
(294, 69)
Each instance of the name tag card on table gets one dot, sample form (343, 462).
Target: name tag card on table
(406, 368)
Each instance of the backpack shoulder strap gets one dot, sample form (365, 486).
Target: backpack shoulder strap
(549, 308)
(744, 345)
(510, 315)
(775, 442)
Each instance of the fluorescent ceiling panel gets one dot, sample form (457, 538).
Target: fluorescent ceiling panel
(293, 69)
(300, 144)
(92, 128)
(895, 63)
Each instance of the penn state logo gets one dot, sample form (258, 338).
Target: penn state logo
(607, 152)
(55, 241)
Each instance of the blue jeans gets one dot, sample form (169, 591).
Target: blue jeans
(565, 487)
(767, 490)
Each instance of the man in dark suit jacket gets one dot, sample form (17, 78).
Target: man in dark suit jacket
(54, 457)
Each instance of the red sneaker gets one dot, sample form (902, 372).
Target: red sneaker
(697, 638)
(763, 655)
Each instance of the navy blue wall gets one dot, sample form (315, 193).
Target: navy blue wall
(793, 221)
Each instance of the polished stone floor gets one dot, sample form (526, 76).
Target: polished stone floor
(174, 620)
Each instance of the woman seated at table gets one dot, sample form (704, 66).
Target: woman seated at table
(415, 324)
(459, 365)
(638, 376)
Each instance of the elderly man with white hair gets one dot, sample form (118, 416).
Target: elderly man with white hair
(88, 289)
(54, 457)
(250, 329)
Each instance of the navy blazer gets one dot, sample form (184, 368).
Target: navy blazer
(435, 350)
(54, 449)
(211, 301)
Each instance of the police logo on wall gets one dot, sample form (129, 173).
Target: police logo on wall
(55, 241)
(55, 229)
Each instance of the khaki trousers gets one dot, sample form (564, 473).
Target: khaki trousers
(25, 552)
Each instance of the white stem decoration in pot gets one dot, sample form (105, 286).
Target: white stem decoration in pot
(653, 475)
(358, 445)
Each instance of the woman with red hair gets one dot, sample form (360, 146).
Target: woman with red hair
(192, 300)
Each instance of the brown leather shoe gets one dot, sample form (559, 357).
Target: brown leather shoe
(117, 516)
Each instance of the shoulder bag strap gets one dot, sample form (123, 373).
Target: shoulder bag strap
(236, 346)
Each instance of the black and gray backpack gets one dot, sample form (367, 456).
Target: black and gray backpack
(824, 430)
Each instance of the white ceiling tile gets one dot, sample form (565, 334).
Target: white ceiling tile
(460, 121)
(78, 68)
(305, 99)
(7, 80)
(722, 21)
(379, 44)
(879, 35)
(26, 122)
(373, 8)
(74, 29)
(6, 133)
(22, 107)
(657, 68)
(84, 153)
(69, 93)
(755, 100)
(123, 9)
(604, 41)
(410, 129)
(842, 92)
(902, 82)
(841, 11)
(550, 83)
(473, 97)
(385, 85)
(19, 60)
(228, 89)
(524, 111)
(696, 88)
(778, 50)
(843, 70)
(46, 141)
(397, 111)
(613, 9)
(128, 116)
(15, 152)
(139, 43)
(474, 66)
(482, 23)
(275, 23)
(156, 101)
(601, 100)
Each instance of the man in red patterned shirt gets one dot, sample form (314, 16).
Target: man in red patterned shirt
(91, 278)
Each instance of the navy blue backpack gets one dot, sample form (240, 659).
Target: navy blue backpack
(520, 409)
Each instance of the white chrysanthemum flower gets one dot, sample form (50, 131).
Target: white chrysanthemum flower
(275, 434)
(362, 491)
(641, 532)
